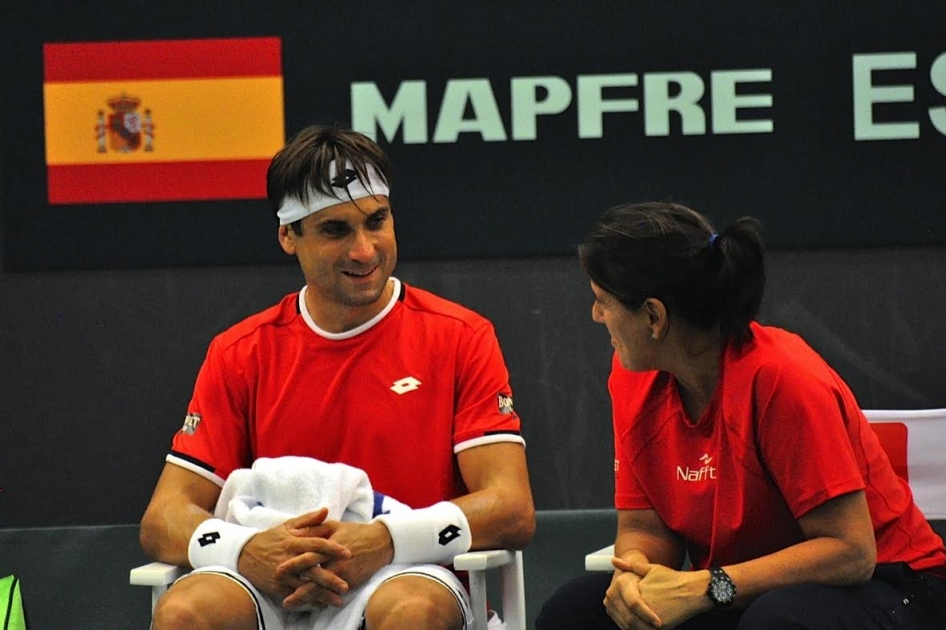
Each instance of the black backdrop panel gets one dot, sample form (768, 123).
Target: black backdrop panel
(768, 96)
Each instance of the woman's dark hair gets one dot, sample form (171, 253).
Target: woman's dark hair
(304, 163)
(667, 251)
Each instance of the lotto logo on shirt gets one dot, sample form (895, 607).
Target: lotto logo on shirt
(699, 473)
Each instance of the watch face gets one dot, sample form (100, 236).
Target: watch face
(721, 588)
(723, 591)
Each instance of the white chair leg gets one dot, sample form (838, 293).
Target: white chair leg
(156, 593)
(514, 594)
(513, 584)
(478, 598)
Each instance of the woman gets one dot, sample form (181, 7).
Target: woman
(739, 448)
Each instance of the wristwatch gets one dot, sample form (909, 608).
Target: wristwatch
(722, 590)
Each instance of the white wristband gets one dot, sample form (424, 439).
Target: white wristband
(435, 534)
(217, 543)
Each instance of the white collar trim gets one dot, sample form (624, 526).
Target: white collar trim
(354, 331)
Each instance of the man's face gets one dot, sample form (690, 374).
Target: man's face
(347, 253)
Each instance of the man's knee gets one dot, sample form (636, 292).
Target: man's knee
(204, 602)
(172, 611)
(413, 602)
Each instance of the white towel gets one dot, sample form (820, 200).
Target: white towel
(277, 489)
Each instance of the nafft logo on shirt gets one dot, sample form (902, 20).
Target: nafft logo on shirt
(706, 471)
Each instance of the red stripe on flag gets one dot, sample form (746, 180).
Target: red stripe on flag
(163, 59)
(157, 181)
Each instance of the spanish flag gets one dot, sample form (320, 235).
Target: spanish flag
(169, 120)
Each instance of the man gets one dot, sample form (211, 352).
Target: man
(355, 368)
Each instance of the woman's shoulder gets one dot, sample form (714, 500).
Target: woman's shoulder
(775, 349)
(776, 358)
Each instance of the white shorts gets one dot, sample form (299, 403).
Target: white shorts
(270, 614)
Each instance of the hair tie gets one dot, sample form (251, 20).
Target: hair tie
(712, 239)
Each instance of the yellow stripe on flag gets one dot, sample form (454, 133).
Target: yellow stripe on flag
(194, 119)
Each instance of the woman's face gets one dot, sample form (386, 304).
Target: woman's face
(629, 329)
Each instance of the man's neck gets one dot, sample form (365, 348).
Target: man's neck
(338, 318)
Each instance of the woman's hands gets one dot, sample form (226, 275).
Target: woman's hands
(646, 595)
(625, 604)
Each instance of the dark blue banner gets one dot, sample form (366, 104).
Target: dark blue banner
(513, 125)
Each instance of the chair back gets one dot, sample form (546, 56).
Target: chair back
(915, 443)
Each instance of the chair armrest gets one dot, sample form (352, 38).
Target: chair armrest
(600, 560)
(155, 574)
(480, 560)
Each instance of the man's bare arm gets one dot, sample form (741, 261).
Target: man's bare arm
(499, 505)
(181, 501)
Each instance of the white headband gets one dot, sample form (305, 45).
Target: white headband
(350, 188)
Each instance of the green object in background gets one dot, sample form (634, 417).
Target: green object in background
(12, 615)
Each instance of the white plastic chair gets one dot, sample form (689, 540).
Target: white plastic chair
(923, 454)
(159, 576)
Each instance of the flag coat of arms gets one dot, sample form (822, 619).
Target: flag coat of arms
(161, 120)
